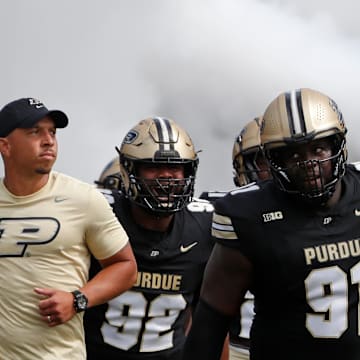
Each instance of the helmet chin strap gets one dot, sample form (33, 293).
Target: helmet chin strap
(320, 200)
(153, 212)
(327, 199)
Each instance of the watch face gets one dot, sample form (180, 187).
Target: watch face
(81, 303)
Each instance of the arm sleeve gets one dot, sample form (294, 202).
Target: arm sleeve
(207, 334)
(105, 235)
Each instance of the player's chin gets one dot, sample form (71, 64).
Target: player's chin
(313, 185)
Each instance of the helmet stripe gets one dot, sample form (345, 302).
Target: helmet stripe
(295, 113)
(170, 132)
(289, 112)
(165, 134)
(300, 111)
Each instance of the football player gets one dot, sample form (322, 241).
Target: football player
(296, 236)
(110, 176)
(249, 165)
(170, 236)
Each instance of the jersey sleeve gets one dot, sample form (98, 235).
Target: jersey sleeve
(222, 230)
(235, 220)
(105, 236)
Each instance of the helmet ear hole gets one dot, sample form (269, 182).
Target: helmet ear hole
(276, 157)
(110, 176)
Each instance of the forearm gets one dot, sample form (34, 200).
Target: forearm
(207, 334)
(225, 351)
(110, 282)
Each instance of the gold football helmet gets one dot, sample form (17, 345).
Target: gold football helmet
(158, 140)
(299, 117)
(110, 176)
(249, 163)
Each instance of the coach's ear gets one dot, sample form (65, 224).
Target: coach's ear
(4, 146)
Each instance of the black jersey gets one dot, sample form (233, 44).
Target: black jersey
(306, 269)
(239, 330)
(149, 321)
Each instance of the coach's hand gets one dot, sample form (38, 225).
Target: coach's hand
(57, 307)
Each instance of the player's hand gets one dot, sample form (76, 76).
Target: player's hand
(56, 307)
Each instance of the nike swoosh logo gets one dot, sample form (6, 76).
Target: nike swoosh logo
(60, 199)
(357, 212)
(185, 249)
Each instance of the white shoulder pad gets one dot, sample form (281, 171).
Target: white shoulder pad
(108, 195)
(212, 195)
(356, 165)
(199, 199)
(200, 205)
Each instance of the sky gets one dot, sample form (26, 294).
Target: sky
(211, 65)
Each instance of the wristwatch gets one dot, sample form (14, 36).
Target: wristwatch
(80, 301)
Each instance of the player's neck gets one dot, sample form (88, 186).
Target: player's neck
(151, 221)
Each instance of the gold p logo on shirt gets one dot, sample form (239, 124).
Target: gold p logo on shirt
(17, 233)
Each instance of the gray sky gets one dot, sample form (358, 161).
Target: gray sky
(210, 65)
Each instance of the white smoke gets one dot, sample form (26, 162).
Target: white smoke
(210, 65)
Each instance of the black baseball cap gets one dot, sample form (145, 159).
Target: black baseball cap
(25, 113)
